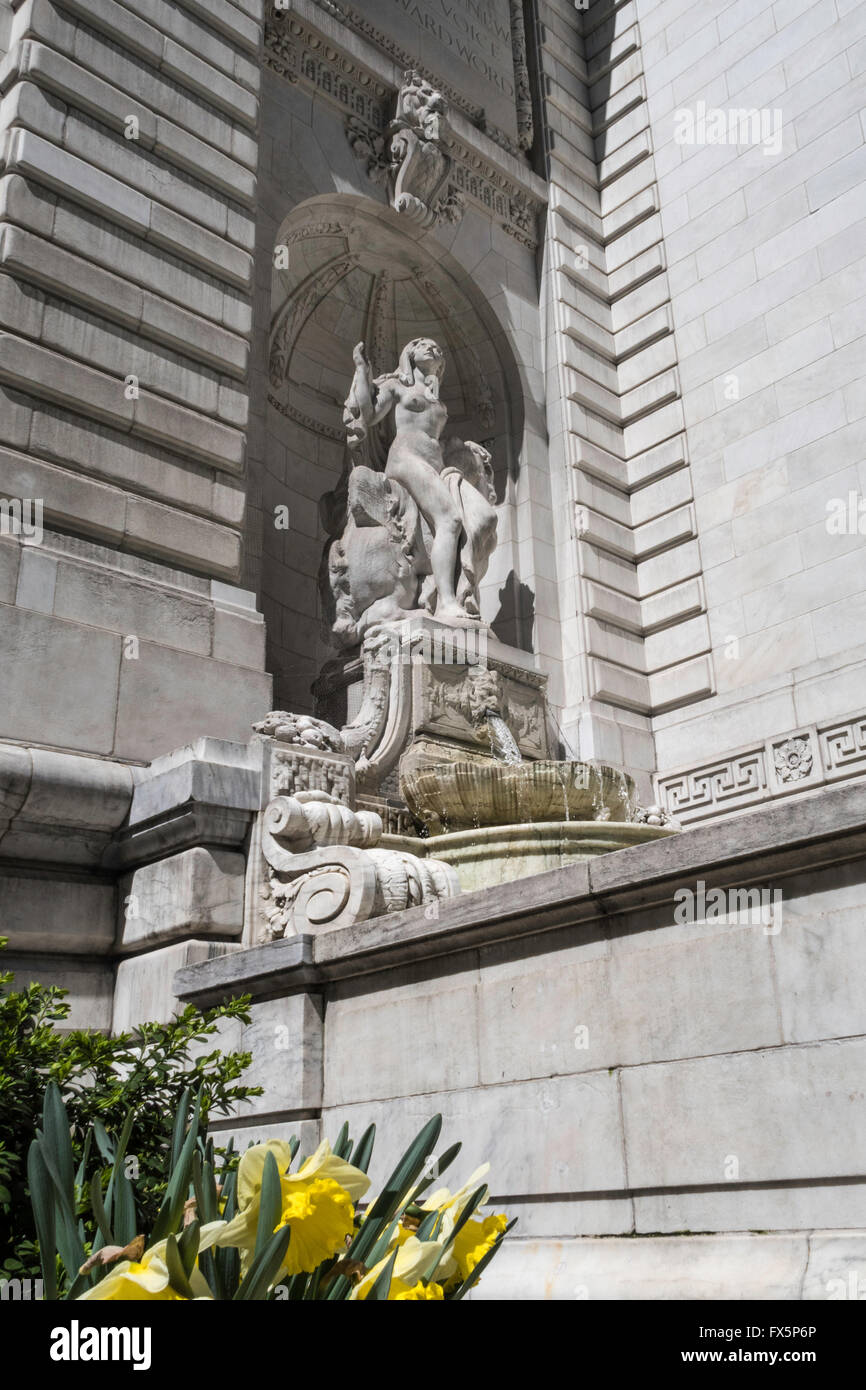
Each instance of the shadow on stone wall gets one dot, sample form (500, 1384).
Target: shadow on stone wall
(514, 621)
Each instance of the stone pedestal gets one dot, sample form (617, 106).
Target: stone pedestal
(420, 690)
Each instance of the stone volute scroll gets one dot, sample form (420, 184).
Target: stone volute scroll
(419, 535)
(315, 861)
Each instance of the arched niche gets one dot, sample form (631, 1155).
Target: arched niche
(348, 270)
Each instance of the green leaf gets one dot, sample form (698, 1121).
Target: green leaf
(168, 1218)
(364, 1149)
(401, 1180)
(442, 1165)
(227, 1262)
(124, 1221)
(55, 1125)
(265, 1266)
(177, 1133)
(66, 1237)
(82, 1167)
(81, 1283)
(97, 1206)
(343, 1146)
(42, 1199)
(429, 1226)
(387, 1205)
(198, 1185)
(270, 1204)
(227, 1259)
(380, 1249)
(210, 1210)
(177, 1274)
(103, 1142)
(117, 1176)
(211, 1274)
(188, 1246)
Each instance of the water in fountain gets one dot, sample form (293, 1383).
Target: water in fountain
(502, 743)
(626, 797)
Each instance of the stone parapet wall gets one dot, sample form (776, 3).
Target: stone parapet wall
(631, 1068)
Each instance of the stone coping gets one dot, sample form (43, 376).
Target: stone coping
(756, 847)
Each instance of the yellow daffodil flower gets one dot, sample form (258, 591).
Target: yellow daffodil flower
(414, 1258)
(402, 1293)
(473, 1241)
(443, 1200)
(147, 1278)
(317, 1204)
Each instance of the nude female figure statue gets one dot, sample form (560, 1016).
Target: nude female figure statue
(415, 458)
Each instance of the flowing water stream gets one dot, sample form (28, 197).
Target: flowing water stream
(502, 743)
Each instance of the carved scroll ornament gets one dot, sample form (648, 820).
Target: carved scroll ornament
(324, 871)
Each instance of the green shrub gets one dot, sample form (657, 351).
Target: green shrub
(101, 1080)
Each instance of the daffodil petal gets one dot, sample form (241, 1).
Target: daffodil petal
(252, 1166)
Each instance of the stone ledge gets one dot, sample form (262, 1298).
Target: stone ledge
(751, 1265)
(42, 790)
(783, 839)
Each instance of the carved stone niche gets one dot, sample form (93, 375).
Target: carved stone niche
(315, 861)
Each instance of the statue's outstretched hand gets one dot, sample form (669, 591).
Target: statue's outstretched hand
(359, 357)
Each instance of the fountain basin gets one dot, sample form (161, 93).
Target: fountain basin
(495, 854)
(454, 796)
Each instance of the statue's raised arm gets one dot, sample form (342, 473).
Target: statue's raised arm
(368, 401)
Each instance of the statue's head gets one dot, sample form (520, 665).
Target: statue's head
(422, 354)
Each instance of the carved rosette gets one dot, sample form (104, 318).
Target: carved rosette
(793, 759)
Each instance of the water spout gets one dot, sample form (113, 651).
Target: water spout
(502, 742)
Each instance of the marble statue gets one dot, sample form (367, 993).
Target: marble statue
(419, 535)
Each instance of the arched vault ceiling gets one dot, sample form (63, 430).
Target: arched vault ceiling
(354, 277)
